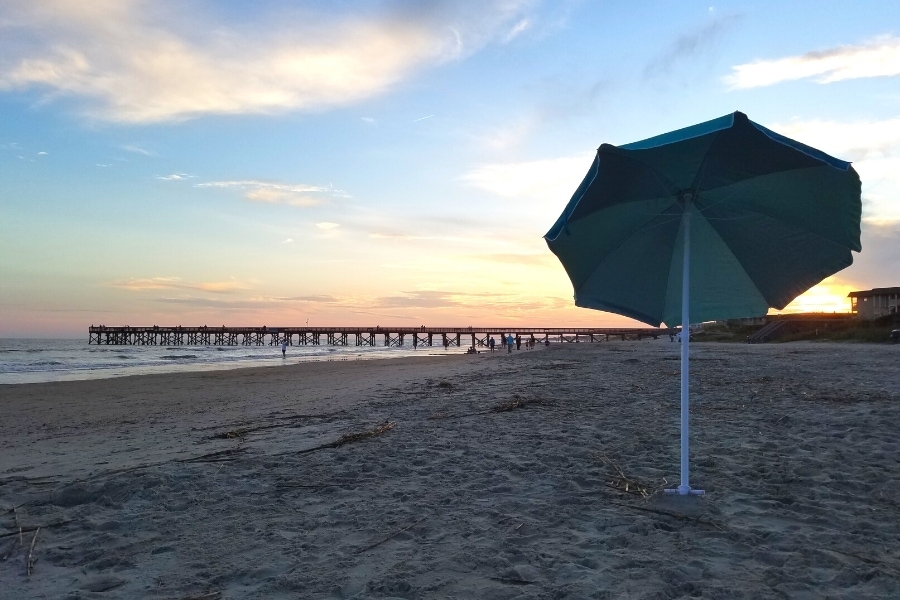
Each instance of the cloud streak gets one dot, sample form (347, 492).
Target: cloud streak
(279, 193)
(879, 57)
(136, 61)
(175, 283)
(532, 179)
(688, 46)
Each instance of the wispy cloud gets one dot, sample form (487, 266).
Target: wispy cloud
(390, 235)
(426, 300)
(517, 29)
(511, 134)
(532, 179)
(879, 57)
(175, 177)
(279, 193)
(855, 140)
(326, 225)
(176, 283)
(688, 46)
(511, 258)
(253, 303)
(138, 150)
(381, 235)
(134, 61)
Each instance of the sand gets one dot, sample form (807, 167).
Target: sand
(530, 475)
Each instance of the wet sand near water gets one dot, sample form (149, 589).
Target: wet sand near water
(530, 475)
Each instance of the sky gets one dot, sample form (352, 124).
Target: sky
(387, 163)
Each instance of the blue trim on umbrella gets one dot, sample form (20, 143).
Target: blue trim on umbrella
(727, 122)
(686, 133)
(562, 223)
(807, 150)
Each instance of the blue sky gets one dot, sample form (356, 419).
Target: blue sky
(386, 163)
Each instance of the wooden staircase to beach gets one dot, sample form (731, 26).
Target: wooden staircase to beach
(767, 333)
(783, 327)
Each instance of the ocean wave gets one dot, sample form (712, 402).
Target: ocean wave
(178, 356)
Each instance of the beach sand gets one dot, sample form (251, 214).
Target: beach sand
(487, 476)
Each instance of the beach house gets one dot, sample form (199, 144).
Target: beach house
(875, 303)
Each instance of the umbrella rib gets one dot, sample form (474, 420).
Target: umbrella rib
(722, 201)
(633, 233)
(695, 185)
(792, 224)
(769, 301)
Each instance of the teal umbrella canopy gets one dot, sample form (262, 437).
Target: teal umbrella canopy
(769, 218)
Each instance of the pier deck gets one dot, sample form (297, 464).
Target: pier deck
(361, 336)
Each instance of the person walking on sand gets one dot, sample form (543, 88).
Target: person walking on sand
(518, 342)
(491, 344)
(509, 343)
(283, 348)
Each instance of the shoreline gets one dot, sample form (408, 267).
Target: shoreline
(206, 358)
(485, 476)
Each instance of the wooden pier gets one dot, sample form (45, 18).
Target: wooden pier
(361, 336)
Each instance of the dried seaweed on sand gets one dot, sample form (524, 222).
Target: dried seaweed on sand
(349, 438)
(220, 456)
(516, 402)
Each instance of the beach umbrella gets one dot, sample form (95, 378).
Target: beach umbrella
(719, 220)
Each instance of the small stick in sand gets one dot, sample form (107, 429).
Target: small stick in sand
(16, 517)
(674, 515)
(30, 564)
(206, 596)
(9, 510)
(32, 528)
(390, 537)
(624, 483)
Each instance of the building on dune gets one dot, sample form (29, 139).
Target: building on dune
(875, 303)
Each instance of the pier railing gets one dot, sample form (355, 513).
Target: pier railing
(362, 336)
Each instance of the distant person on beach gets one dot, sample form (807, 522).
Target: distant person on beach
(284, 348)
(509, 343)
(491, 344)
(518, 342)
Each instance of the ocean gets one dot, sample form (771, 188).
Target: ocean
(35, 361)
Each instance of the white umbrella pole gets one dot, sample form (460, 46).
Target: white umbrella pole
(684, 489)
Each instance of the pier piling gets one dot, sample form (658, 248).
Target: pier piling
(340, 336)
